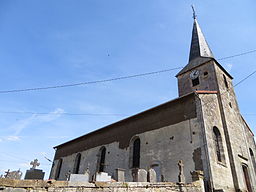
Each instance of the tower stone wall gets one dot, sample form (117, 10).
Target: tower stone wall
(236, 134)
(207, 79)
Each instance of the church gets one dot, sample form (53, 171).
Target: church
(203, 127)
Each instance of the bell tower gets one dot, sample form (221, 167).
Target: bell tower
(203, 74)
(200, 72)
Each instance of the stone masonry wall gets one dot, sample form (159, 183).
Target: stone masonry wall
(163, 148)
(207, 81)
(8, 185)
(212, 117)
(234, 128)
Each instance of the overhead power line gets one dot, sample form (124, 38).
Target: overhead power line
(106, 114)
(90, 82)
(251, 74)
(238, 55)
(249, 114)
(62, 113)
(112, 79)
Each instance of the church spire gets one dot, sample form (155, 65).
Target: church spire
(199, 47)
(200, 51)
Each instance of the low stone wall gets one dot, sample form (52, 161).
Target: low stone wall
(9, 185)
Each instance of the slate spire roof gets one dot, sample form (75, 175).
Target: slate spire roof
(199, 47)
(200, 51)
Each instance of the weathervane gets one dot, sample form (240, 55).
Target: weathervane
(194, 13)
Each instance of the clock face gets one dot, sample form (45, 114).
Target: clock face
(194, 74)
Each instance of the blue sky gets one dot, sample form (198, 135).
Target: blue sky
(46, 42)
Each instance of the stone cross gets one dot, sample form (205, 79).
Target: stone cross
(87, 171)
(34, 163)
(181, 166)
(13, 174)
(181, 176)
(7, 173)
(67, 175)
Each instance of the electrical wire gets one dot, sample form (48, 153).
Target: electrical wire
(238, 55)
(62, 113)
(90, 82)
(245, 78)
(98, 114)
(112, 79)
(249, 114)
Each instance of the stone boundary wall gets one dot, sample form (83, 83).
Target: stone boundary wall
(9, 185)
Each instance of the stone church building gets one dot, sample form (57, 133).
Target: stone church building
(203, 127)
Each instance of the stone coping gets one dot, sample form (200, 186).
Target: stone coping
(63, 184)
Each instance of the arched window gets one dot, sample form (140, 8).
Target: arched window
(77, 163)
(58, 169)
(247, 178)
(218, 144)
(253, 159)
(101, 160)
(136, 153)
(225, 81)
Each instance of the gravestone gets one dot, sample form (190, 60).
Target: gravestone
(152, 175)
(181, 176)
(120, 175)
(79, 177)
(33, 173)
(158, 171)
(102, 177)
(13, 174)
(139, 175)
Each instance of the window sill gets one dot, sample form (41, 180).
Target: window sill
(222, 164)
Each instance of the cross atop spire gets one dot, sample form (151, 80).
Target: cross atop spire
(194, 12)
